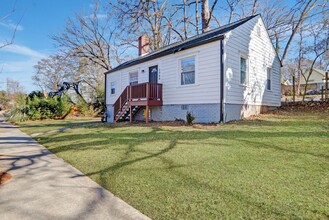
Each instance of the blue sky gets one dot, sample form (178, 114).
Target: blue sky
(40, 19)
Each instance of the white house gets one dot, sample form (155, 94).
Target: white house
(316, 80)
(225, 74)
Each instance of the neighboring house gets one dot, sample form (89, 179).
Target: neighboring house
(287, 83)
(286, 87)
(316, 80)
(74, 90)
(228, 73)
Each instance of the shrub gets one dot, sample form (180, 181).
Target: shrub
(37, 108)
(16, 115)
(189, 118)
(88, 109)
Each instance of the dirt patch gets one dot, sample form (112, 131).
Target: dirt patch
(4, 177)
(150, 124)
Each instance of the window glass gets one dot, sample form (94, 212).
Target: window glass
(112, 87)
(133, 78)
(187, 71)
(269, 78)
(243, 70)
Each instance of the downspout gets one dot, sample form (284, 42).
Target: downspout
(221, 76)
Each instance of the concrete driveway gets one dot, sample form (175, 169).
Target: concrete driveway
(43, 186)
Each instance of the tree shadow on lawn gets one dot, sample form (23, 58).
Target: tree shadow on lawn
(227, 196)
(59, 124)
(101, 140)
(284, 122)
(108, 140)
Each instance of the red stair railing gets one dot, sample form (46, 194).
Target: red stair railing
(142, 91)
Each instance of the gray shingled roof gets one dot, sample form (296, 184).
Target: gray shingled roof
(197, 40)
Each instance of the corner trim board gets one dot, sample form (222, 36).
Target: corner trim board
(221, 112)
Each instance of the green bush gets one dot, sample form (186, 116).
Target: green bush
(87, 109)
(82, 106)
(37, 108)
(189, 118)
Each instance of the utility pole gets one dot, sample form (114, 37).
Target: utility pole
(326, 80)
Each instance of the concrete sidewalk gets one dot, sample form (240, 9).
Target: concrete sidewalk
(43, 186)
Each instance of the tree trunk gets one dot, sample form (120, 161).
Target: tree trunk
(185, 20)
(254, 7)
(205, 15)
(197, 16)
(306, 10)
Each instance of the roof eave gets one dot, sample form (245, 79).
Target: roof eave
(167, 52)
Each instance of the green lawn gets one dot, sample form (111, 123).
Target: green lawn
(40, 126)
(274, 167)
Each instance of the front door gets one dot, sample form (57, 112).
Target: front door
(153, 74)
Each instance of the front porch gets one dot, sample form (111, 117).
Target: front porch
(136, 96)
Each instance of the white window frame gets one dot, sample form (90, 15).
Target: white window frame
(195, 70)
(112, 83)
(267, 78)
(133, 72)
(247, 69)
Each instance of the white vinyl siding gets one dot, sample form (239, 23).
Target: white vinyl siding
(116, 77)
(204, 90)
(245, 40)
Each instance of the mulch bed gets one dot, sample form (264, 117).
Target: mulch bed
(4, 177)
(310, 106)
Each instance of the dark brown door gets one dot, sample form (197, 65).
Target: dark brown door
(153, 74)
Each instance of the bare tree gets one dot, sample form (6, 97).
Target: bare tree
(301, 61)
(15, 93)
(320, 46)
(207, 14)
(88, 36)
(13, 87)
(197, 17)
(254, 7)
(185, 19)
(301, 12)
(52, 71)
(90, 73)
(277, 20)
(232, 7)
(145, 17)
(2, 19)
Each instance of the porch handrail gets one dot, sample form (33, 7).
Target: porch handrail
(142, 91)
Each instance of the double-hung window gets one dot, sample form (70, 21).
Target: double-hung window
(269, 78)
(133, 78)
(243, 71)
(112, 88)
(187, 71)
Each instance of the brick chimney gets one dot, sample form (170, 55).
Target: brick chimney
(143, 45)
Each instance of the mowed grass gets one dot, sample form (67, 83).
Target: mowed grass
(40, 126)
(274, 167)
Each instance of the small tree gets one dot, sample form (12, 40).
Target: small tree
(189, 118)
(320, 46)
